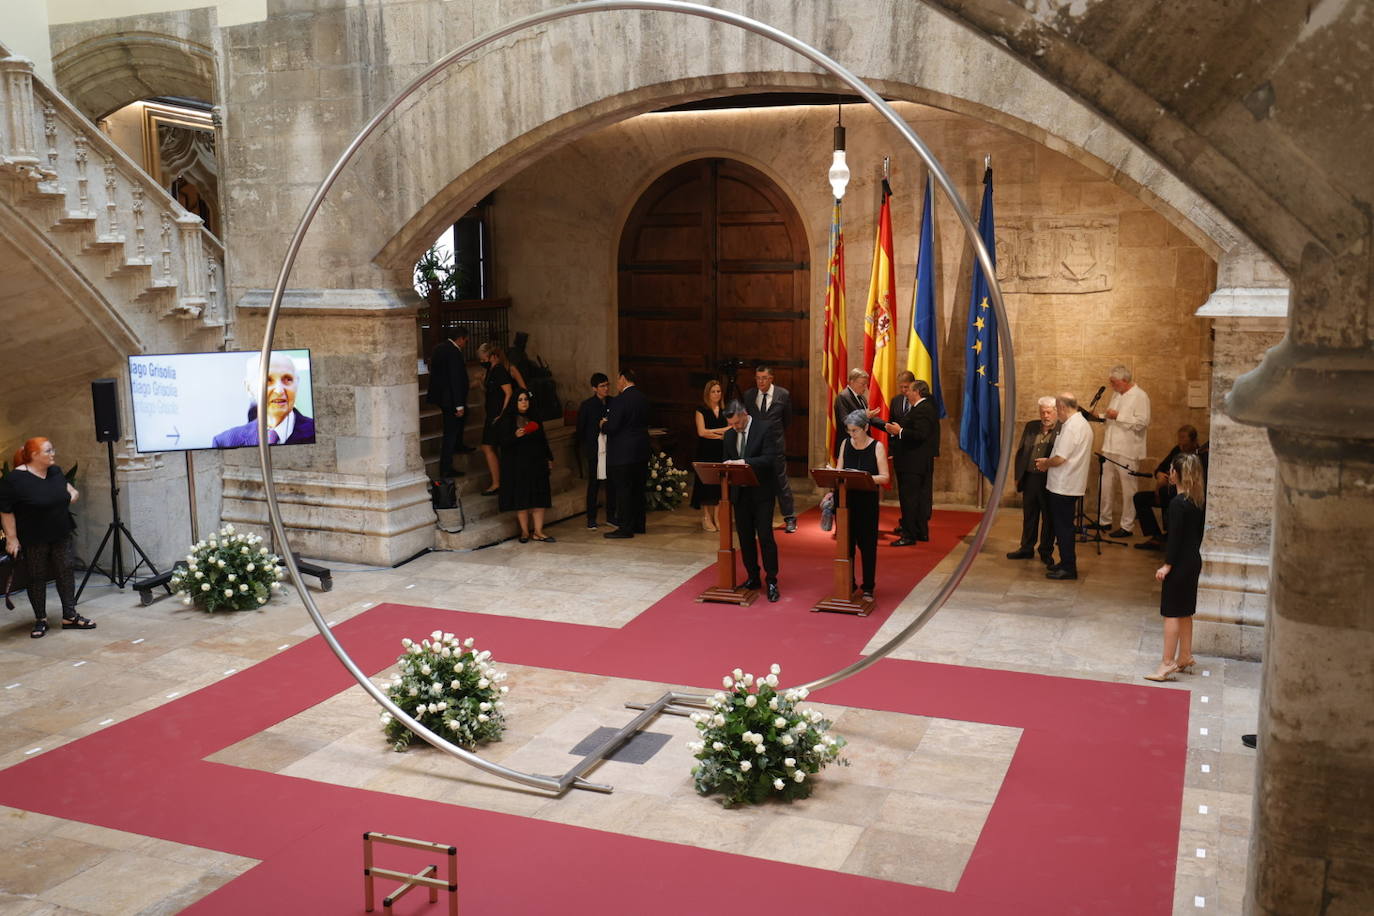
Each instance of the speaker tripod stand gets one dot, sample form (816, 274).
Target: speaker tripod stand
(113, 536)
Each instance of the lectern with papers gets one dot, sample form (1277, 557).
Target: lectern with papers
(844, 598)
(726, 474)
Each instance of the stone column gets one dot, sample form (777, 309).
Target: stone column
(1312, 849)
(1233, 592)
(359, 493)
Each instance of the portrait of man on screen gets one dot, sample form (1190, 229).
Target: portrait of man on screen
(285, 424)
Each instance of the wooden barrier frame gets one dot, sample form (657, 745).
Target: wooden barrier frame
(426, 877)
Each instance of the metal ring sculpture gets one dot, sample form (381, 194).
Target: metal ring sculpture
(665, 6)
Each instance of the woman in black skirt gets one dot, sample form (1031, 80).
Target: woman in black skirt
(861, 452)
(499, 388)
(1182, 566)
(525, 464)
(711, 426)
(34, 499)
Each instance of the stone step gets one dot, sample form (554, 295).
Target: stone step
(491, 526)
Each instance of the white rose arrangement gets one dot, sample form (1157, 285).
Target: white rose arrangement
(230, 570)
(667, 485)
(450, 687)
(757, 743)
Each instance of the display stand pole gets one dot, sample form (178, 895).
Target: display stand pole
(844, 598)
(724, 590)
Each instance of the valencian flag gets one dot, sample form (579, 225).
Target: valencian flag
(980, 427)
(835, 353)
(880, 320)
(921, 348)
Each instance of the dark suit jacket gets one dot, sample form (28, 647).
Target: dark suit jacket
(846, 402)
(589, 425)
(763, 453)
(238, 436)
(914, 451)
(779, 408)
(448, 378)
(627, 428)
(1023, 452)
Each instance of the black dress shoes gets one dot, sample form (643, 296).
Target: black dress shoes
(1151, 544)
(618, 533)
(1249, 740)
(1061, 573)
(903, 541)
(752, 585)
(773, 591)
(1020, 554)
(1120, 533)
(1048, 560)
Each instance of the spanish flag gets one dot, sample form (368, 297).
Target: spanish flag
(835, 352)
(880, 321)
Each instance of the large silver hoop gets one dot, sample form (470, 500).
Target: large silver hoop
(665, 6)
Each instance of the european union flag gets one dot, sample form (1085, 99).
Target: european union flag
(980, 427)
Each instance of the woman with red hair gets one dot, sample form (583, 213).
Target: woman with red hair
(34, 499)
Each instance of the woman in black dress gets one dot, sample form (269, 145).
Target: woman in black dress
(525, 464)
(1182, 566)
(861, 452)
(34, 499)
(711, 426)
(499, 387)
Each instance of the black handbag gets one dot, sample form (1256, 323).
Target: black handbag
(443, 494)
(8, 565)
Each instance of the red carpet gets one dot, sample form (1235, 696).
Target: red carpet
(1086, 822)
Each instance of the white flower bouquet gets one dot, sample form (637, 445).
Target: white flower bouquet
(757, 743)
(230, 570)
(448, 686)
(667, 485)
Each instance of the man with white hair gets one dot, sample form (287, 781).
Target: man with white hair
(1037, 441)
(1066, 480)
(1128, 417)
(285, 424)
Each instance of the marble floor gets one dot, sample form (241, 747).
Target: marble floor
(1004, 615)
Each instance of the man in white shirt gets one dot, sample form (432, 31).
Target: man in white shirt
(1066, 480)
(1128, 417)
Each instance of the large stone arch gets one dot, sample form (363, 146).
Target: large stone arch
(106, 72)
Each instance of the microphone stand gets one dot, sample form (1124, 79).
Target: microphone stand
(1096, 537)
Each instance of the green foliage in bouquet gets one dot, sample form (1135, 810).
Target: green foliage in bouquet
(450, 688)
(666, 486)
(757, 744)
(230, 570)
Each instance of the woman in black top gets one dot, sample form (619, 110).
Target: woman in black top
(34, 499)
(525, 464)
(499, 386)
(711, 426)
(1182, 566)
(861, 452)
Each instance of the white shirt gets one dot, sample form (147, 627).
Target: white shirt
(1126, 434)
(762, 396)
(1074, 445)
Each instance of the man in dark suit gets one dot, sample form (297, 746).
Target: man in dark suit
(285, 424)
(752, 442)
(627, 454)
(773, 404)
(914, 432)
(448, 390)
(591, 445)
(853, 397)
(1037, 441)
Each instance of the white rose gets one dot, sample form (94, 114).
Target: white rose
(243, 551)
(448, 637)
(414, 691)
(773, 703)
(219, 563)
(446, 652)
(748, 680)
(505, 689)
(799, 775)
(467, 643)
(386, 717)
(420, 713)
(485, 707)
(775, 668)
(717, 746)
(437, 635)
(771, 680)
(228, 593)
(785, 740)
(802, 693)
(425, 669)
(483, 717)
(251, 567)
(695, 717)
(779, 722)
(262, 551)
(718, 721)
(214, 543)
(483, 655)
(458, 666)
(454, 684)
(228, 529)
(718, 698)
(262, 601)
(200, 575)
(778, 784)
(745, 766)
(751, 701)
(205, 587)
(413, 650)
(726, 682)
(434, 707)
(818, 748)
(436, 688)
(186, 600)
(243, 587)
(483, 684)
(790, 762)
(758, 748)
(407, 642)
(737, 674)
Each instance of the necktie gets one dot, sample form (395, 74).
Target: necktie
(863, 401)
(743, 440)
(764, 408)
(272, 437)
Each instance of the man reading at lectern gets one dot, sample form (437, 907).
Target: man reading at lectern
(753, 442)
(285, 424)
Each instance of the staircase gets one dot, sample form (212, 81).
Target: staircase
(70, 189)
(480, 521)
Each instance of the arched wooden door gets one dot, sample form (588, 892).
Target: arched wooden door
(713, 269)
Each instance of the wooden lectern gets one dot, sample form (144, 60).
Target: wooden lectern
(726, 474)
(844, 599)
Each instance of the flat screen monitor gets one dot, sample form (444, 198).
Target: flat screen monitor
(186, 401)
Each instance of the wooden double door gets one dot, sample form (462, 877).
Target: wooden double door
(713, 281)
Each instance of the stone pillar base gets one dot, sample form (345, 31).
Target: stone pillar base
(1232, 600)
(330, 516)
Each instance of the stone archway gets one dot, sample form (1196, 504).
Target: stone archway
(107, 72)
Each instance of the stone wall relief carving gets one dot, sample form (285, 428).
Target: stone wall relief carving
(1057, 255)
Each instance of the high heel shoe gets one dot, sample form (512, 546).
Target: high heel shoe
(1184, 667)
(709, 526)
(1164, 672)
